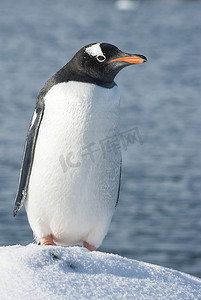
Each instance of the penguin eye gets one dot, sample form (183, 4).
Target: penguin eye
(101, 58)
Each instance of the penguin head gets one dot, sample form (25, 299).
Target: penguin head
(102, 61)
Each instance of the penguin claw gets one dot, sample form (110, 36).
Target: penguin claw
(48, 240)
(89, 247)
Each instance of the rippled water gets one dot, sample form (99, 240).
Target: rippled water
(158, 216)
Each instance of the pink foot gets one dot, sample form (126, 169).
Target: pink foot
(47, 240)
(89, 247)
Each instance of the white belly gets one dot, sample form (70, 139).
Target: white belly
(74, 180)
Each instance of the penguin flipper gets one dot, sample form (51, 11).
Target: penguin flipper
(28, 156)
(119, 185)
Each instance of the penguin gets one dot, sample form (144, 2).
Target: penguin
(71, 168)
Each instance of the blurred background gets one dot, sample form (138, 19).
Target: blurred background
(158, 219)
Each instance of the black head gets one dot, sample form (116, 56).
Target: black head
(101, 62)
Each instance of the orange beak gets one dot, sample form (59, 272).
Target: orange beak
(131, 59)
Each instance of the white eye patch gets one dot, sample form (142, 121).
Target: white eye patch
(94, 50)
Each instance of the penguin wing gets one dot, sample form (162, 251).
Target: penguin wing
(119, 185)
(28, 155)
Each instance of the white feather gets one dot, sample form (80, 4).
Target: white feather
(94, 50)
(75, 202)
(33, 118)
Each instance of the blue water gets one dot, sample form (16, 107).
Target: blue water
(158, 219)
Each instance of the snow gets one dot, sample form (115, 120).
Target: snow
(54, 272)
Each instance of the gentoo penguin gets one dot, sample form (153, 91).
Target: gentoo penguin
(70, 175)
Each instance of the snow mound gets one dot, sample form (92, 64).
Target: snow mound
(53, 272)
